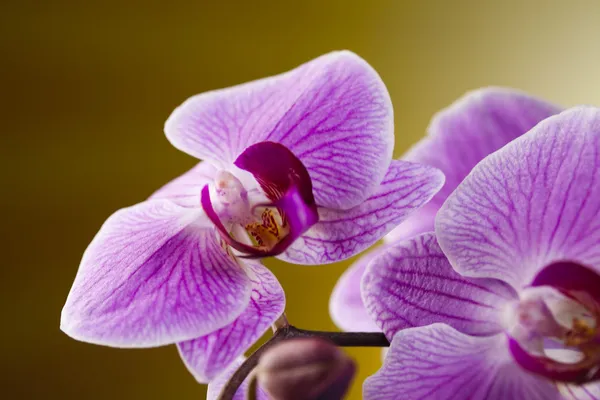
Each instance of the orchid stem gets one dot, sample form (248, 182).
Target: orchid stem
(286, 332)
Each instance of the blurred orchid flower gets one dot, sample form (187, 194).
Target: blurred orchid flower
(511, 284)
(459, 136)
(296, 166)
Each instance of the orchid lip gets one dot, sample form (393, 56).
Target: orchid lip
(561, 304)
(268, 228)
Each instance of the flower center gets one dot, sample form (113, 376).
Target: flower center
(554, 327)
(247, 214)
(262, 211)
(544, 320)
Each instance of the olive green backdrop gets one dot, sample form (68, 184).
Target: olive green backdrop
(86, 87)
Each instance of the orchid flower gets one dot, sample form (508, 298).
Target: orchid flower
(459, 136)
(503, 301)
(296, 166)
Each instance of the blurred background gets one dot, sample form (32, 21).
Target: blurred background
(87, 86)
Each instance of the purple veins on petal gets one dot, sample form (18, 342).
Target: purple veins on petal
(460, 136)
(530, 203)
(207, 356)
(473, 127)
(526, 216)
(154, 275)
(340, 234)
(169, 270)
(333, 112)
(412, 284)
(438, 362)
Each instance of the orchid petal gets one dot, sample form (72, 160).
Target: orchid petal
(207, 356)
(413, 284)
(276, 169)
(438, 362)
(185, 189)
(154, 275)
(533, 202)
(346, 306)
(591, 391)
(461, 135)
(333, 112)
(215, 386)
(474, 126)
(341, 234)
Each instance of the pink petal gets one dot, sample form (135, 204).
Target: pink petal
(473, 127)
(535, 201)
(154, 275)
(461, 135)
(341, 234)
(207, 356)
(412, 284)
(333, 112)
(438, 362)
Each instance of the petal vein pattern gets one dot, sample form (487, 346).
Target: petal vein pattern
(208, 356)
(473, 127)
(334, 113)
(529, 203)
(413, 284)
(438, 362)
(342, 234)
(152, 277)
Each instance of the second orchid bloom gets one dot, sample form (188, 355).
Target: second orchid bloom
(497, 294)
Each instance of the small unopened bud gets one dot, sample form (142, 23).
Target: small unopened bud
(305, 369)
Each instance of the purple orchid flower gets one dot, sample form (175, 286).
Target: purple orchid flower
(511, 283)
(296, 166)
(459, 136)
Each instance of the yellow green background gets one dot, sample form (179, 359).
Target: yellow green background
(86, 87)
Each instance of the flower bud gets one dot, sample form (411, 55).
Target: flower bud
(305, 369)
